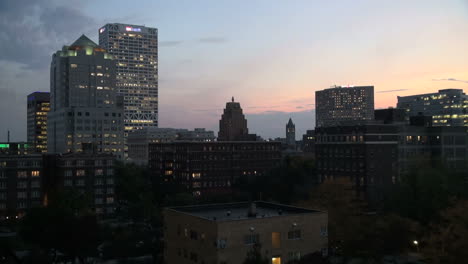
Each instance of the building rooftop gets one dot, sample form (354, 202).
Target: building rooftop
(241, 211)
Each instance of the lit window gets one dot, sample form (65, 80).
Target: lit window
(73, 66)
(34, 173)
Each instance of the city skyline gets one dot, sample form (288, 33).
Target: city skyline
(203, 64)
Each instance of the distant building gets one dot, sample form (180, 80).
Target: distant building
(225, 233)
(448, 107)
(233, 125)
(32, 180)
(344, 106)
(139, 140)
(38, 107)
(308, 143)
(291, 133)
(85, 107)
(391, 115)
(135, 50)
(16, 148)
(448, 145)
(211, 167)
(366, 154)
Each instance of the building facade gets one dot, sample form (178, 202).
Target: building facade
(33, 180)
(139, 140)
(85, 107)
(344, 106)
(308, 143)
(225, 233)
(211, 167)
(291, 133)
(431, 145)
(448, 107)
(38, 107)
(233, 125)
(135, 49)
(366, 154)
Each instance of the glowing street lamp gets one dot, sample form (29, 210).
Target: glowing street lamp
(416, 243)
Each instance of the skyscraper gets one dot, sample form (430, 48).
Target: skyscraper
(135, 50)
(233, 125)
(85, 107)
(448, 107)
(38, 107)
(291, 133)
(344, 105)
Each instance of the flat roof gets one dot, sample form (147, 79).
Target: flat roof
(240, 211)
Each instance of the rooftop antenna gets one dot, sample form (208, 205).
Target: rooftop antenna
(8, 136)
(233, 99)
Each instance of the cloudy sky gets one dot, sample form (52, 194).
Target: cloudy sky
(272, 55)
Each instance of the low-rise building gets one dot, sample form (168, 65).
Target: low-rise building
(211, 166)
(138, 140)
(33, 180)
(225, 233)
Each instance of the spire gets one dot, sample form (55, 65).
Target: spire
(233, 99)
(290, 123)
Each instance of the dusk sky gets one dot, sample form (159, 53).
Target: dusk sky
(271, 55)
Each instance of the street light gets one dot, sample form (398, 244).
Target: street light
(416, 243)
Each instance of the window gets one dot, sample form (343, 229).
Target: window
(22, 184)
(67, 183)
(35, 184)
(73, 66)
(35, 173)
(294, 234)
(221, 243)
(99, 172)
(276, 240)
(68, 173)
(80, 163)
(22, 174)
(110, 190)
(22, 195)
(98, 201)
(251, 239)
(109, 200)
(80, 183)
(110, 172)
(110, 181)
(295, 255)
(80, 172)
(193, 256)
(193, 235)
(35, 194)
(324, 231)
(98, 182)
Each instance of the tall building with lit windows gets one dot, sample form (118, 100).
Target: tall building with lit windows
(135, 49)
(448, 107)
(341, 105)
(85, 108)
(38, 107)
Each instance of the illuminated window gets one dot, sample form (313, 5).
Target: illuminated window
(99, 172)
(276, 239)
(109, 200)
(276, 260)
(80, 172)
(34, 173)
(73, 66)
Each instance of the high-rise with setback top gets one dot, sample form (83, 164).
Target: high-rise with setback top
(85, 108)
(135, 50)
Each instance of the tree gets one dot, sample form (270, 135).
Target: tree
(353, 231)
(254, 256)
(425, 191)
(65, 227)
(447, 241)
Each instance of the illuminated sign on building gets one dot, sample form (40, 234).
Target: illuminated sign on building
(133, 29)
(102, 30)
